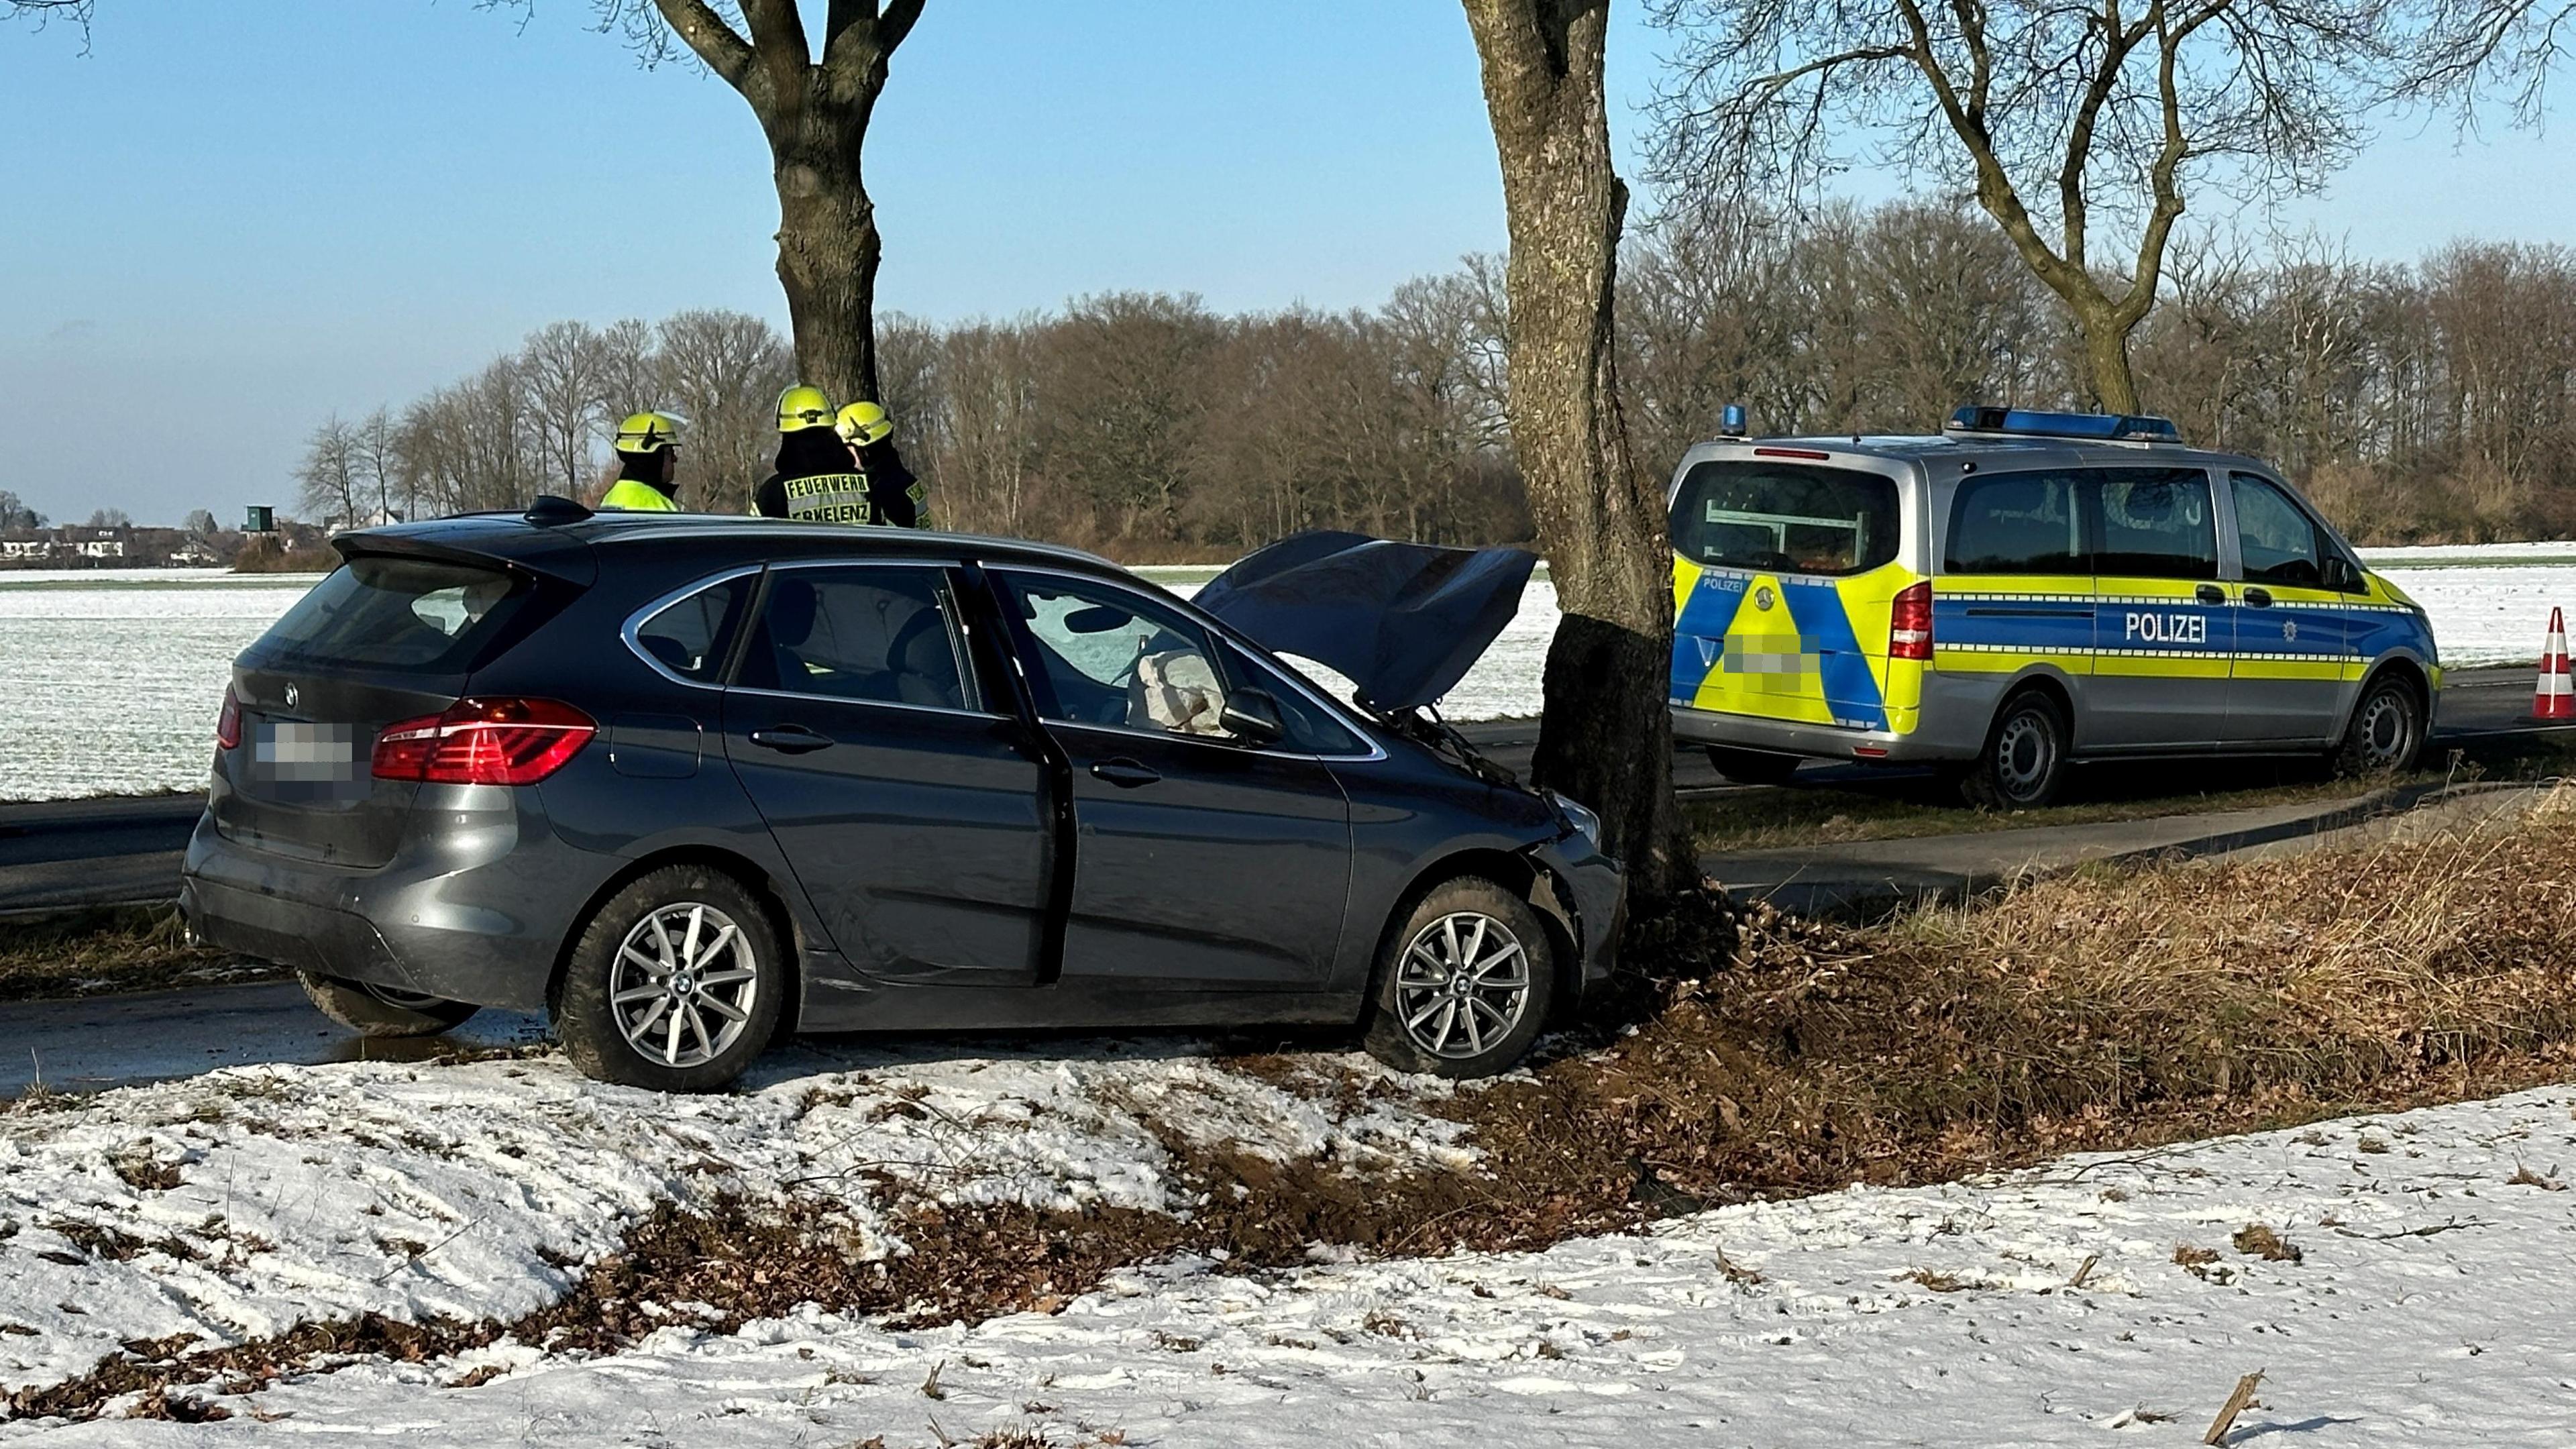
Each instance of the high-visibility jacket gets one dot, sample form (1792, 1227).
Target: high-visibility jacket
(634, 495)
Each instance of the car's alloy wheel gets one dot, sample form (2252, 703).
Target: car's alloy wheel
(1464, 981)
(676, 983)
(684, 984)
(1462, 984)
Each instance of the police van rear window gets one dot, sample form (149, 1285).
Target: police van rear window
(1782, 517)
(404, 615)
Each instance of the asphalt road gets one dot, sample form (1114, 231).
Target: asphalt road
(95, 852)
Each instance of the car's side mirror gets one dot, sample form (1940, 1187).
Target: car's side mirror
(1252, 716)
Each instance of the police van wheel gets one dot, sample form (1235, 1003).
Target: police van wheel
(2387, 730)
(1753, 767)
(2024, 762)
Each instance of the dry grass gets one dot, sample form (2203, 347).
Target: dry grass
(116, 948)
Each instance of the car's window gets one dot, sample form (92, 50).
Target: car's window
(2017, 523)
(2277, 541)
(1784, 517)
(885, 635)
(1105, 656)
(687, 638)
(1305, 726)
(396, 614)
(2154, 523)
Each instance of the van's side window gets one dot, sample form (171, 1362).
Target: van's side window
(2277, 542)
(2154, 523)
(2017, 523)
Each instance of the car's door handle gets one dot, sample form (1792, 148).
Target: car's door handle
(2259, 598)
(1125, 774)
(790, 739)
(2211, 594)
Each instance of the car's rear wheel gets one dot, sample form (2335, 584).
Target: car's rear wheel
(382, 1010)
(1752, 767)
(2024, 763)
(2387, 730)
(676, 984)
(1464, 983)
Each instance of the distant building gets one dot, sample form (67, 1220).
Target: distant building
(26, 545)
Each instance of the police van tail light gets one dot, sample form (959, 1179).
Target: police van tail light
(483, 742)
(1909, 623)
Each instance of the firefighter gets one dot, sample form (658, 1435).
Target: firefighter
(897, 494)
(816, 481)
(648, 459)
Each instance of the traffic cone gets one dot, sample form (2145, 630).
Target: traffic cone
(2554, 696)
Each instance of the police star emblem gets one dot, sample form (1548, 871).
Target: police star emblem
(2289, 628)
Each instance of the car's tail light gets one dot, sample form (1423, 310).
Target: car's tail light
(483, 742)
(228, 721)
(1909, 623)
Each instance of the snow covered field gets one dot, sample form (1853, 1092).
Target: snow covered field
(109, 681)
(2420, 1303)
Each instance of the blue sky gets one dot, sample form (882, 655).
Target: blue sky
(227, 221)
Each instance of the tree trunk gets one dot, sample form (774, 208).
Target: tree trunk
(828, 249)
(2106, 356)
(1605, 737)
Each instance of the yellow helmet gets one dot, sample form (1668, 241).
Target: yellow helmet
(648, 433)
(862, 423)
(803, 407)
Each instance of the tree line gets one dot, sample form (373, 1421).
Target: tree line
(2427, 401)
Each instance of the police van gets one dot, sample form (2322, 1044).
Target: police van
(2024, 590)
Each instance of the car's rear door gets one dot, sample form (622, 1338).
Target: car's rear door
(1199, 860)
(913, 813)
(2163, 624)
(2293, 653)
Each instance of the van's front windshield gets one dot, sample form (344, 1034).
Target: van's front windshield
(1785, 517)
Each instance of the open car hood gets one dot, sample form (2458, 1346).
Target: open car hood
(1403, 621)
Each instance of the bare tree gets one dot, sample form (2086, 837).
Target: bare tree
(565, 368)
(328, 476)
(14, 512)
(814, 112)
(201, 522)
(2062, 121)
(722, 371)
(110, 518)
(1605, 736)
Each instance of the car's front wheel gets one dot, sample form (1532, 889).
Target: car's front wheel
(1464, 984)
(676, 983)
(382, 1010)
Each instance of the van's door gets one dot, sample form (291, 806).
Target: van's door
(1785, 571)
(2294, 653)
(2163, 624)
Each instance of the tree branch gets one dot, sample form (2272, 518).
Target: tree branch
(709, 38)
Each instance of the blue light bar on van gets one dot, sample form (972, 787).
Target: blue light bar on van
(2107, 427)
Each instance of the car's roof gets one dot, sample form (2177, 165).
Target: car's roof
(715, 537)
(2022, 451)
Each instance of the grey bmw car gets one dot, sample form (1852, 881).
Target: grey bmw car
(689, 782)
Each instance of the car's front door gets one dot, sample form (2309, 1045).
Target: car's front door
(1199, 859)
(2162, 622)
(2292, 653)
(914, 815)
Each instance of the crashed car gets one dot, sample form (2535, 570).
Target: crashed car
(688, 783)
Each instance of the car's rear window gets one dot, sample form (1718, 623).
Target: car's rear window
(408, 615)
(1785, 517)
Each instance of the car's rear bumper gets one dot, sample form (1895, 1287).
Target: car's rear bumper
(479, 918)
(1795, 737)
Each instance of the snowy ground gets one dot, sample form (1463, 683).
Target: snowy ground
(2426, 1306)
(235, 1204)
(109, 681)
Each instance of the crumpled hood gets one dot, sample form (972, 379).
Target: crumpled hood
(1403, 621)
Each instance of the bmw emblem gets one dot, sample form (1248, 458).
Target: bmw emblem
(1762, 597)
